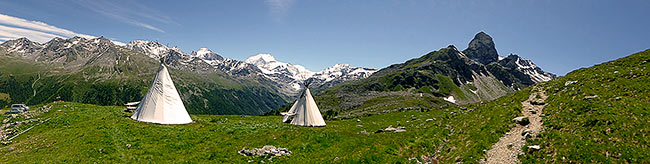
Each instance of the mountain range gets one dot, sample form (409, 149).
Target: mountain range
(285, 77)
(440, 78)
(99, 72)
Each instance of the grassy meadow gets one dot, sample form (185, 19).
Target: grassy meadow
(105, 134)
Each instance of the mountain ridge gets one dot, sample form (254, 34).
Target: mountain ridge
(97, 71)
(437, 79)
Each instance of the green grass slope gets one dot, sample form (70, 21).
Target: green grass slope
(104, 134)
(613, 127)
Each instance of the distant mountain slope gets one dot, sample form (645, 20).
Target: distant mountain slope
(443, 74)
(97, 71)
(599, 114)
(336, 74)
(283, 77)
(446, 74)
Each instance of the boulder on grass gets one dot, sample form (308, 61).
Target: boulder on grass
(521, 120)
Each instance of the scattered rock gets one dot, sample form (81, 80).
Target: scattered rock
(526, 132)
(390, 128)
(429, 120)
(618, 98)
(590, 97)
(540, 102)
(400, 130)
(358, 120)
(569, 83)
(128, 145)
(267, 150)
(534, 147)
(521, 120)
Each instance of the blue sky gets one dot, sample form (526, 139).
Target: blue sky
(559, 36)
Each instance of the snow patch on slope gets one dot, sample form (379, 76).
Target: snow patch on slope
(527, 67)
(450, 99)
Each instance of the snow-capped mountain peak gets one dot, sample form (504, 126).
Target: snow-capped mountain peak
(151, 48)
(206, 54)
(295, 75)
(268, 65)
(343, 72)
(260, 59)
(289, 77)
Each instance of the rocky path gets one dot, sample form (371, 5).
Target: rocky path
(510, 145)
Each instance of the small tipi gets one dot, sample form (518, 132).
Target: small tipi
(304, 111)
(162, 104)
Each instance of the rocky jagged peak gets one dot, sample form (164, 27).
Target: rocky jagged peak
(19, 41)
(451, 46)
(482, 49)
(527, 67)
(55, 40)
(152, 49)
(77, 38)
(22, 39)
(21, 45)
(103, 41)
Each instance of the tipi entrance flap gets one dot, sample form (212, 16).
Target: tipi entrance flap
(305, 112)
(162, 104)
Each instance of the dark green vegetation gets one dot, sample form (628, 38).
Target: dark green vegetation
(89, 133)
(113, 75)
(613, 126)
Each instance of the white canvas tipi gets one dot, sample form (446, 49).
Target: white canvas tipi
(304, 112)
(162, 104)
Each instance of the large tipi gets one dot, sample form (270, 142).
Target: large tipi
(162, 104)
(304, 111)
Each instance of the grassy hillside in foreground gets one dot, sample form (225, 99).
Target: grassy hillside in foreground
(89, 133)
(613, 126)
